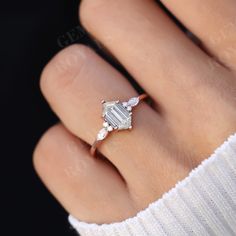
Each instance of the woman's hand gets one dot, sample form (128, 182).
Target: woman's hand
(194, 111)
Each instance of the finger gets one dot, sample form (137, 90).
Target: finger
(152, 48)
(75, 82)
(87, 188)
(213, 21)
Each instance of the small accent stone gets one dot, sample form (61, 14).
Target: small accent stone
(109, 128)
(133, 101)
(105, 124)
(102, 134)
(129, 108)
(125, 104)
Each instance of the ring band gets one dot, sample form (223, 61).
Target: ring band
(117, 116)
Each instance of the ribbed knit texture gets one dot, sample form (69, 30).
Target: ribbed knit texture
(204, 203)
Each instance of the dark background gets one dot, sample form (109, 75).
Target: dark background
(32, 32)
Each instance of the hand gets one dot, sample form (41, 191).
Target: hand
(194, 94)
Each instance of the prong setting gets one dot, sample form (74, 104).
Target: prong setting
(117, 115)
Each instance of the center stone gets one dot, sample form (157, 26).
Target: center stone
(117, 115)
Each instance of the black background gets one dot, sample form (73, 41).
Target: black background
(32, 32)
(29, 38)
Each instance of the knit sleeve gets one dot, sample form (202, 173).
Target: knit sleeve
(204, 203)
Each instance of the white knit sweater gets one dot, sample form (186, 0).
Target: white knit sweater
(204, 203)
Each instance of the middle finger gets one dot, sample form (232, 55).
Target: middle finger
(152, 48)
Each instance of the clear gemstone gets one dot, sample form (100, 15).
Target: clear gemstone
(102, 134)
(125, 104)
(109, 128)
(129, 108)
(133, 101)
(105, 124)
(107, 106)
(116, 115)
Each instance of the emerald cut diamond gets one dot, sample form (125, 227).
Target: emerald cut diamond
(117, 115)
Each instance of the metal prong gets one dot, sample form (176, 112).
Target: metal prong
(117, 101)
(103, 101)
(131, 127)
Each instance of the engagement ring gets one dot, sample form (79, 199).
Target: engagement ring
(117, 116)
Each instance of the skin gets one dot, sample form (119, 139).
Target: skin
(194, 94)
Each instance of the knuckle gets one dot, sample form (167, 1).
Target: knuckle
(89, 9)
(61, 70)
(42, 155)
